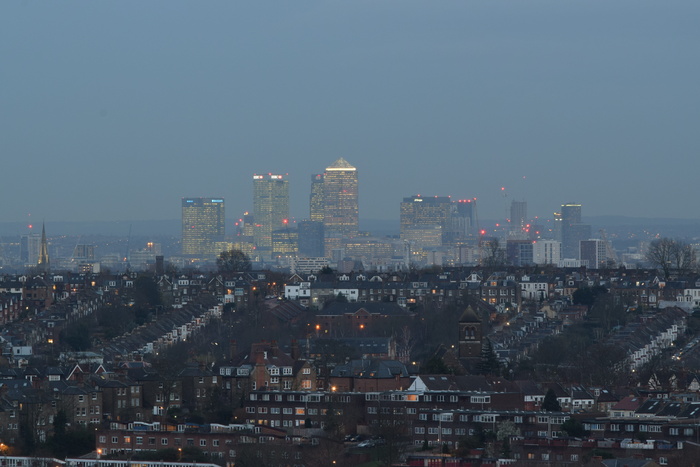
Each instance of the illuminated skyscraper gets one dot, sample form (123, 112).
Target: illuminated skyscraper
(423, 216)
(316, 206)
(270, 208)
(203, 226)
(340, 200)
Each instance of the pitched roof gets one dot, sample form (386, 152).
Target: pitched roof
(341, 164)
(373, 308)
(628, 403)
(455, 383)
(469, 316)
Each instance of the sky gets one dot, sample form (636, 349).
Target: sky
(117, 110)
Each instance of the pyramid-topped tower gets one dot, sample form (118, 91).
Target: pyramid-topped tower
(340, 203)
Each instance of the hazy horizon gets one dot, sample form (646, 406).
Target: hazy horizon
(115, 111)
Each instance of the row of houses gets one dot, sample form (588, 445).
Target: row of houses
(284, 420)
(501, 289)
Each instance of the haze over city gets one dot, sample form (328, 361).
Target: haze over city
(349, 234)
(114, 112)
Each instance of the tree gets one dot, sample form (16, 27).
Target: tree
(341, 298)
(76, 336)
(233, 261)
(574, 428)
(495, 254)
(488, 363)
(588, 295)
(435, 366)
(671, 255)
(504, 431)
(146, 293)
(550, 402)
(683, 258)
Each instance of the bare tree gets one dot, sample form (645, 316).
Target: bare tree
(495, 254)
(683, 257)
(405, 344)
(233, 261)
(671, 255)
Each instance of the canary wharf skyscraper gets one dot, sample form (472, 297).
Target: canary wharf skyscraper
(203, 226)
(270, 208)
(316, 206)
(340, 206)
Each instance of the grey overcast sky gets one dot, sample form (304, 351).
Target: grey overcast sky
(115, 110)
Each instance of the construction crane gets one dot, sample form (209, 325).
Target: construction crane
(609, 252)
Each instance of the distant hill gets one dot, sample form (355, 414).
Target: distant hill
(639, 221)
(110, 228)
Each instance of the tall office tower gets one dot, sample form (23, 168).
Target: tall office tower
(556, 227)
(203, 226)
(426, 214)
(316, 206)
(310, 239)
(594, 253)
(518, 219)
(24, 249)
(571, 213)
(247, 225)
(285, 242)
(340, 201)
(572, 230)
(34, 248)
(84, 252)
(30, 247)
(464, 217)
(270, 208)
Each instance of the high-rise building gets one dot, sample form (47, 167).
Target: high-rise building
(546, 252)
(316, 205)
(285, 242)
(518, 219)
(270, 208)
(426, 214)
(572, 230)
(594, 253)
(203, 226)
(520, 252)
(556, 229)
(464, 217)
(311, 239)
(246, 226)
(84, 252)
(30, 247)
(571, 213)
(340, 200)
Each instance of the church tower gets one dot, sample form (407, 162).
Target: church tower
(470, 334)
(43, 263)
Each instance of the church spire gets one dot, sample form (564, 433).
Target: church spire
(43, 263)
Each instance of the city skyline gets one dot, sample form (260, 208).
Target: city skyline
(548, 100)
